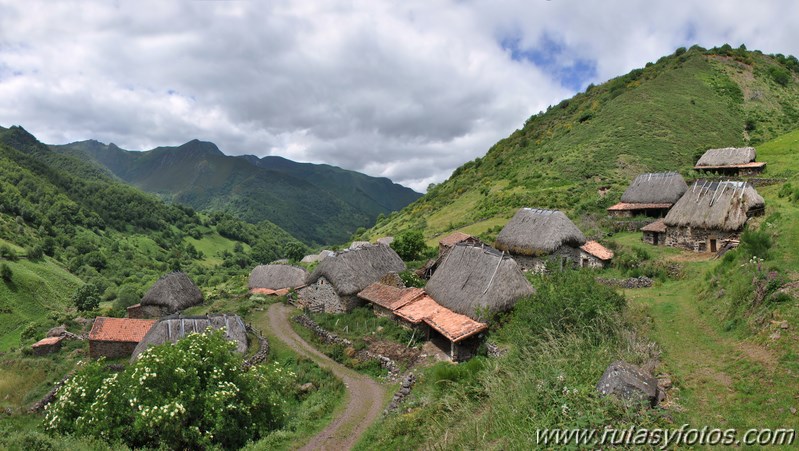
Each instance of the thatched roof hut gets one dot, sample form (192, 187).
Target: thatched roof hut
(655, 188)
(170, 330)
(472, 279)
(350, 271)
(727, 156)
(536, 232)
(277, 277)
(710, 205)
(173, 292)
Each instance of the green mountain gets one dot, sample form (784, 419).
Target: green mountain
(316, 203)
(65, 222)
(579, 155)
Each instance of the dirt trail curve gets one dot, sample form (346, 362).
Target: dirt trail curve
(365, 397)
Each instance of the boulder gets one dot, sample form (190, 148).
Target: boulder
(629, 383)
(57, 331)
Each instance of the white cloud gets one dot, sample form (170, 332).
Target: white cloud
(405, 90)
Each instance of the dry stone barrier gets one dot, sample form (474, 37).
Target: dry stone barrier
(330, 338)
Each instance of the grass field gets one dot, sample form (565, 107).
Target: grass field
(36, 290)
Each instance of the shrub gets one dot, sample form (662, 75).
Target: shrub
(409, 245)
(6, 273)
(190, 395)
(756, 243)
(86, 297)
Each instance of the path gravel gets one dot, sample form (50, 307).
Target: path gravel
(365, 397)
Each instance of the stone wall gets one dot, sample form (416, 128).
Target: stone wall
(589, 261)
(698, 240)
(263, 349)
(402, 393)
(320, 297)
(649, 238)
(564, 256)
(111, 349)
(330, 338)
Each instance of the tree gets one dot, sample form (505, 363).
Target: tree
(294, 251)
(5, 272)
(409, 245)
(86, 297)
(193, 394)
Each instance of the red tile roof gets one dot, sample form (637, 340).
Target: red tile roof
(454, 326)
(120, 329)
(624, 206)
(657, 226)
(453, 239)
(597, 250)
(388, 296)
(752, 164)
(48, 341)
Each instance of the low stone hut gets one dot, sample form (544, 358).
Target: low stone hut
(170, 294)
(446, 243)
(651, 195)
(456, 334)
(116, 337)
(386, 299)
(535, 237)
(734, 161)
(711, 214)
(170, 330)
(47, 345)
(655, 233)
(473, 280)
(276, 280)
(595, 255)
(335, 283)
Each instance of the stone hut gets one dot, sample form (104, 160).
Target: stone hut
(335, 283)
(170, 294)
(444, 245)
(711, 214)
(386, 299)
(47, 345)
(594, 255)
(535, 237)
(650, 195)
(276, 280)
(454, 333)
(735, 161)
(474, 280)
(170, 330)
(313, 258)
(117, 337)
(655, 233)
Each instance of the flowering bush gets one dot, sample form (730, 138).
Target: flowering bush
(191, 394)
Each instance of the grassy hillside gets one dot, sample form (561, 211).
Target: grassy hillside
(579, 155)
(59, 231)
(724, 330)
(316, 203)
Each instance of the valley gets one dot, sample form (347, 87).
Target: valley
(92, 223)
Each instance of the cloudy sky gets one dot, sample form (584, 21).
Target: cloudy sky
(403, 89)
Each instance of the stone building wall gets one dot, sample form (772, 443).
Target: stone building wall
(111, 349)
(563, 257)
(699, 240)
(321, 297)
(589, 261)
(649, 238)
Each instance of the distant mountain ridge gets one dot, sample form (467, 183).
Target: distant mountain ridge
(319, 204)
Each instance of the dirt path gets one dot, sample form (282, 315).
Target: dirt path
(365, 397)
(723, 381)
